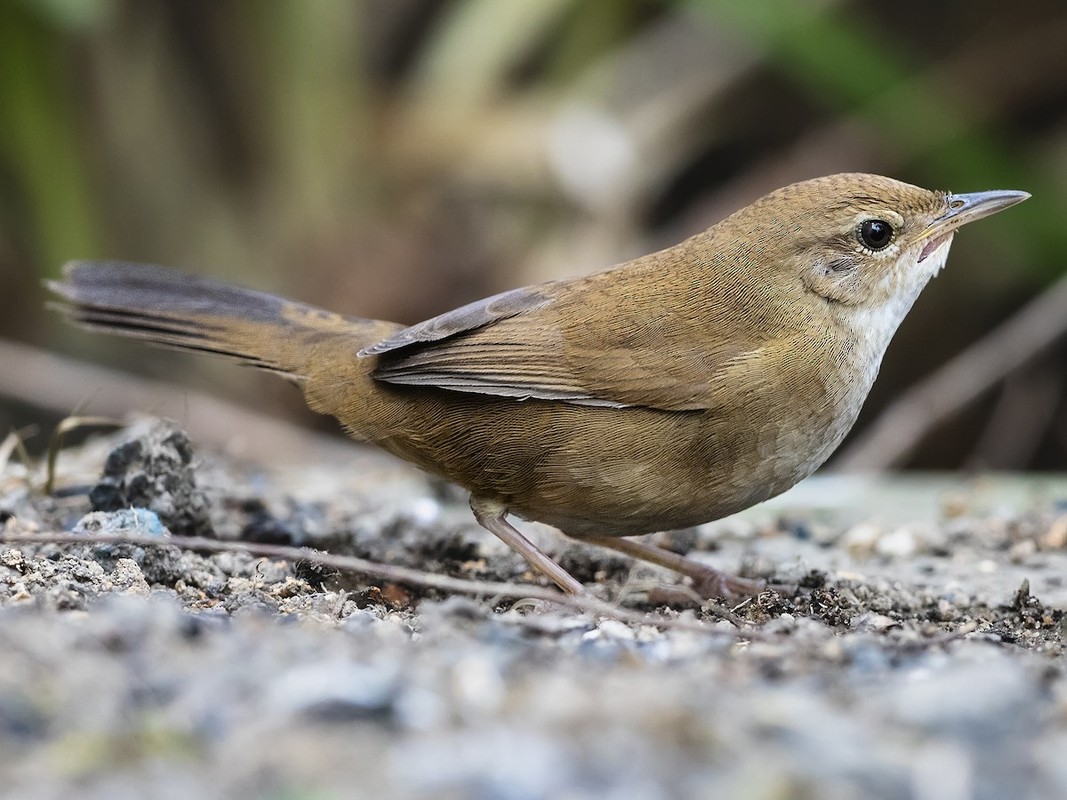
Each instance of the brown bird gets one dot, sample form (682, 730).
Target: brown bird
(669, 391)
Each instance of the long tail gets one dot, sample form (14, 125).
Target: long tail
(183, 311)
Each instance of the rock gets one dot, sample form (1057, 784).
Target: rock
(155, 471)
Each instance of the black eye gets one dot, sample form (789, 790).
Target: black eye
(876, 233)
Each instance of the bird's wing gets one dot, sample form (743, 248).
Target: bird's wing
(464, 319)
(577, 342)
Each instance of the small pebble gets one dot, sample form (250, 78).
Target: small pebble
(137, 521)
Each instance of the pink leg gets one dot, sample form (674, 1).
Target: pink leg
(491, 515)
(707, 581)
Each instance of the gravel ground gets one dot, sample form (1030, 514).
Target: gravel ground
(923, 660)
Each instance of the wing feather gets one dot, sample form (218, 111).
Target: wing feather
(578, 342)
(465, 318)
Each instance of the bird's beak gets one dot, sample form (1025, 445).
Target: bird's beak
(964, 208)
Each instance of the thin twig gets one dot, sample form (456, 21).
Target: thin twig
(55, 443)
(386, 572)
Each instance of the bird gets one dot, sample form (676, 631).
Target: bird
(665, 392)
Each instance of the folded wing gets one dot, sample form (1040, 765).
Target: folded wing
(576, 342)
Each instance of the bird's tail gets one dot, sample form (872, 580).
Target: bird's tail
(187, 312)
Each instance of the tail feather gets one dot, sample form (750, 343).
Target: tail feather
(128, 287)
(177, 310)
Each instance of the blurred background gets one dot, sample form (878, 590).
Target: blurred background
(395, 158)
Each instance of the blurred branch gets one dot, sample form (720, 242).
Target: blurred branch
(1023, 416)
(43, 380)
(893, 436)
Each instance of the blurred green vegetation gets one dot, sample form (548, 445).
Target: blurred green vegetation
(394, 158)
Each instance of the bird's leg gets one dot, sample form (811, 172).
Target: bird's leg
(491, 515)
(707, 581)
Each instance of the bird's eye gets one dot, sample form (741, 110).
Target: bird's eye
(875, 234)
